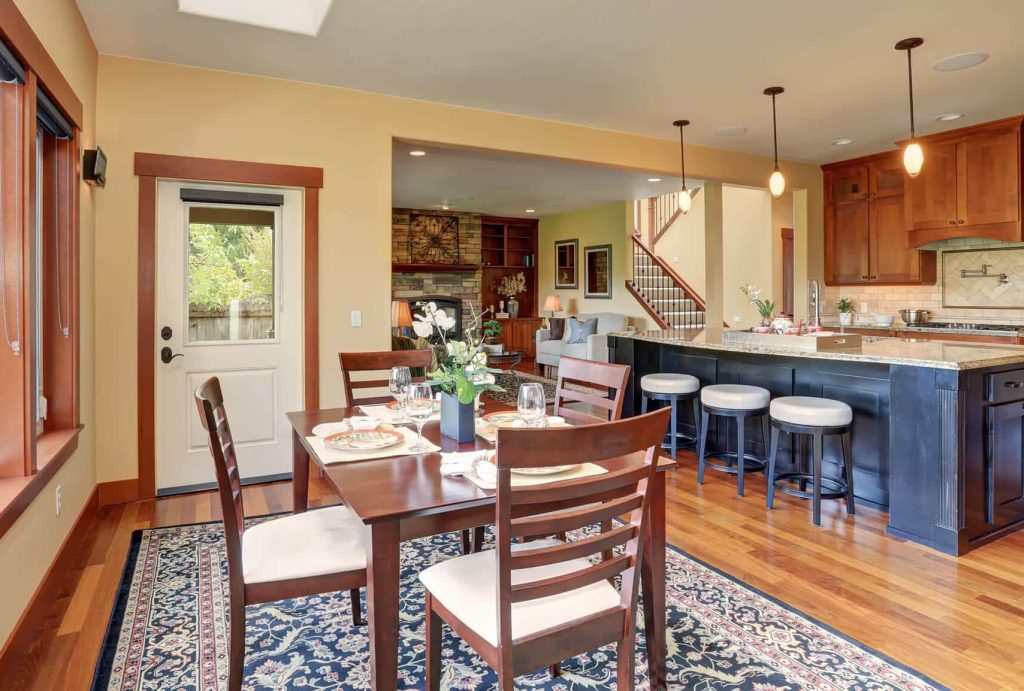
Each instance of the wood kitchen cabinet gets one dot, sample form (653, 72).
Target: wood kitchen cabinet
(865, 225)
(1004, 463)
(969, 186)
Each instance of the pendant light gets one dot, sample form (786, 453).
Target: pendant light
(913, 155)
(776, 183)
(685, 200)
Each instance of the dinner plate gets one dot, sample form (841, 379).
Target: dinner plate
(546, 470)
(366, 440)
(504, 418)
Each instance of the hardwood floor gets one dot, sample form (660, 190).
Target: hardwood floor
(960, 621)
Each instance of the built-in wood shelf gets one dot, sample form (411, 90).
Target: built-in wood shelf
(434, 268)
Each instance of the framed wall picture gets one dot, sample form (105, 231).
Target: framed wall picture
(597, 263)
(566, 270)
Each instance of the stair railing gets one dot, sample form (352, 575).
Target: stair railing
(664, 294)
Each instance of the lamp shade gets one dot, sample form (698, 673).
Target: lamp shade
(401, 315)
(552, 303)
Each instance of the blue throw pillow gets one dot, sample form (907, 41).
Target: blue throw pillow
(580, 330)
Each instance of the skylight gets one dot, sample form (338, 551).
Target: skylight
(295, 16)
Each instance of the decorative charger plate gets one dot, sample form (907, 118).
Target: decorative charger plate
(546, 470)
(365, 440)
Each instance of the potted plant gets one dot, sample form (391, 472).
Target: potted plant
(492, 334)
(510, 287)
(462, 375)
(764, 307)
(845, 306)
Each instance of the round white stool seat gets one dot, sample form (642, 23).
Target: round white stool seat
(735, 396)
(669, 383)
(811, 411)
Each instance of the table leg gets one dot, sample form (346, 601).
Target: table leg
(652, 580)
(300, 475)
(382, 598)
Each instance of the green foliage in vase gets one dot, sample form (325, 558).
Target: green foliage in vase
(845, 305)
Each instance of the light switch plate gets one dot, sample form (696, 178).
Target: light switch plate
(357, 317)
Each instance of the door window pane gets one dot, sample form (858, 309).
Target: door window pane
(231, 281)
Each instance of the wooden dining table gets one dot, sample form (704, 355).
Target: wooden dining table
(406, 497)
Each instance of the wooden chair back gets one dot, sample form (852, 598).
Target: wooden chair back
(558, 507)
(377, 362)
(213, 415)
(587, 373)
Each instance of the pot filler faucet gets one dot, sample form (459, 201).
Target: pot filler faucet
(814, 302)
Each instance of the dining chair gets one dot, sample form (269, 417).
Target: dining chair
(529, 605)
(381, 361)
(577, 373)
(303, 554)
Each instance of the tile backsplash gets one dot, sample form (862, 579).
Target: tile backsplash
(891, 299)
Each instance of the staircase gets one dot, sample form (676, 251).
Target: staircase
(665, 296)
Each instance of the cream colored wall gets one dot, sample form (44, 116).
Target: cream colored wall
(29, 547)
(747, 252)
(161, 108)
(682, 246)
(610, 224)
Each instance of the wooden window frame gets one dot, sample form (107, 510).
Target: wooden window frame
(29, 460)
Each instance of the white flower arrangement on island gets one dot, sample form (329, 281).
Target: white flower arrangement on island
(464, 372)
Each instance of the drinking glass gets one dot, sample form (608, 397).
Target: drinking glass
(531, 404)
(419, 405)
(401, 377)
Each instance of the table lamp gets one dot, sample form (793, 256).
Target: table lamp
(552, 304)
(401, 316)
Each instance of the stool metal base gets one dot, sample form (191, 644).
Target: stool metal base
(740, 468)
(674, 437)
(822, 486)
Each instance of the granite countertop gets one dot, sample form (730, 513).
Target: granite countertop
(895, 351)
(1010, 331)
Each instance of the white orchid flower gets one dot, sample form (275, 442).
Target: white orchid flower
(444, 321)
(422, 329)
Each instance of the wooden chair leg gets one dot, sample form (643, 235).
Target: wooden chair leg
(236, 646)
(556, 670)
(506, 679)
(433, 670)
(625, 663)
(357, 610)
(467, 545)
(478, 539)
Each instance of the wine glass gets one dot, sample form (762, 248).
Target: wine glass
(532, 404)
(399, 382)
(419, 405)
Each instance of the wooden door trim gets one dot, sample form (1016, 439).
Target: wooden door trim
(151, 167)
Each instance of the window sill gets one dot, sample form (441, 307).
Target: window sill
(17, 493)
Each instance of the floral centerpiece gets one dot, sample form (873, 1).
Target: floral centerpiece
(462, 375)
(764, 307)
(509, 287)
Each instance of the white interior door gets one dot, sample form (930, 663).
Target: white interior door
(229, 303)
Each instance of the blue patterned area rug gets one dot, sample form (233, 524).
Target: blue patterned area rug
(168, 630)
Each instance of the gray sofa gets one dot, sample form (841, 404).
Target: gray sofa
(596, 348)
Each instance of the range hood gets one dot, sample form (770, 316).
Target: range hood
(1002, 232)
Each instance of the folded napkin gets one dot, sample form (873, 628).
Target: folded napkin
(489, 432)
(457, 464)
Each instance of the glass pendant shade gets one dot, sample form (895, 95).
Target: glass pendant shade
(777, 183)
(685, 200)
(913, 159)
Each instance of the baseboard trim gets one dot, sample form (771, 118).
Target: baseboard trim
(22, 637)
(118, 491)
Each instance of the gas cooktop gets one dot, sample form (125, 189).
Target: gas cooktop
(969, 325)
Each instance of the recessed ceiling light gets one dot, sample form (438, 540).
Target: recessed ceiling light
(734, 131)
(653, 179)
(959, 62)
(445, 207)
(297, 17)
(842, 141)
(531, 211)
(946, 117)
(417, 152)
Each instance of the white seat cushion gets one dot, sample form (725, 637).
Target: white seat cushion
(467, 587)
(313, 543)
(735, 396)
(669, 383)
(807, 410)
(550, 347)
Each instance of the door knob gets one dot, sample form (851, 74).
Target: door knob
(166, 355)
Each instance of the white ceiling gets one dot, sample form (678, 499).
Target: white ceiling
(503, 184)
(629, 65)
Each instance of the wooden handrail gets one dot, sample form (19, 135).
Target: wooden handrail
(686, 288)
(658, 319)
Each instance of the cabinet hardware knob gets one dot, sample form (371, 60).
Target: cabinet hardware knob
(864, 277)
(960, 221)
(873, 278)
(952, 223)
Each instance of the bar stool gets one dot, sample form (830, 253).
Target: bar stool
(736, 401)
(816, 417)
(673, 388)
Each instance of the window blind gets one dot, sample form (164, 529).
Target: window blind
(231, 197)
(51, 119)
(11, 70)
